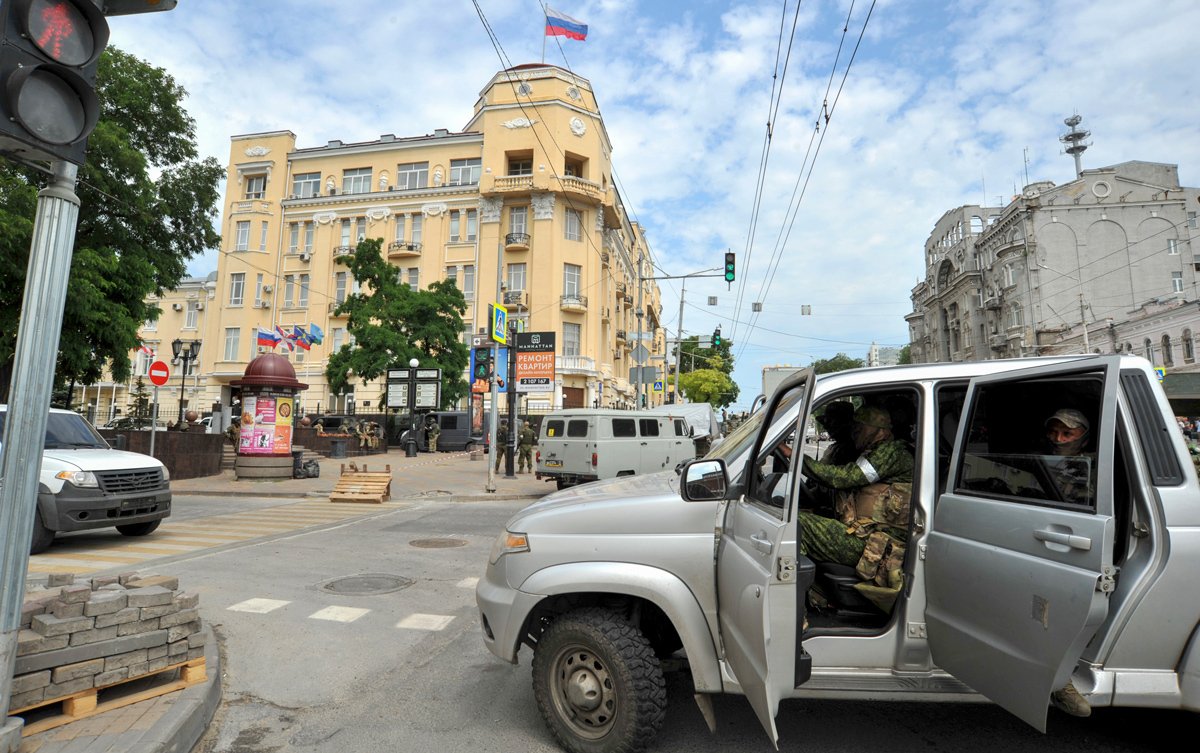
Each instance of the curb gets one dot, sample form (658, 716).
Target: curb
(182, 726)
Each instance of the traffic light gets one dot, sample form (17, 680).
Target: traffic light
(49, 52)
(729, 266)
(483, 364)
(717, 337)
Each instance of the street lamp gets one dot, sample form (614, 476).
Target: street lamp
(185, 351)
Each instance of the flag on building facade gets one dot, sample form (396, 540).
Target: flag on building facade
(286, 338)
(300, 337)
(147, 350)
(562, 25)
(267, 338)
(315, 334)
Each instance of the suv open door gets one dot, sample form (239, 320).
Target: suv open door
(761, 580)
(1019, 564)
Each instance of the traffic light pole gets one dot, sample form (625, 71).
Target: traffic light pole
(511, 378)
(28, 406)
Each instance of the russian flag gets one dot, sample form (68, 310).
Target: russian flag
(147, 350)
(267, 338)
(562, 25)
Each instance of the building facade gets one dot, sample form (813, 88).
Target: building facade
(520, 207)
(1060, 269)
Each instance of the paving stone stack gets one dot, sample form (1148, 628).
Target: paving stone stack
(89, 634)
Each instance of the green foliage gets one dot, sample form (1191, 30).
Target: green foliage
(391, 324)
(708, 386)
(840, 362)
(148, 204)
(693, 358)
(141, 399)
(905, 355)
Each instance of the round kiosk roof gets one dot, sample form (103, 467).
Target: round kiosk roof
(269, 370)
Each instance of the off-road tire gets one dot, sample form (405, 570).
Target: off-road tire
(139, 529)
(608, 665)
(42, 536)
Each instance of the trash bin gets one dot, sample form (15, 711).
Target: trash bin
(297, 463)
(337, 448)
(410, 448)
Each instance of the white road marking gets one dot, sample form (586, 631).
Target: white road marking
(425, 622)
(258, 606)
(467, 583)
(338, 614)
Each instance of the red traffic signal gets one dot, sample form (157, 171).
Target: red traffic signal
(49, 53)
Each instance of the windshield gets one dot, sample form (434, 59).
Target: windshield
(735, 446)
(66, 431)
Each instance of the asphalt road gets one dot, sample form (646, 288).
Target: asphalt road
(312, 665)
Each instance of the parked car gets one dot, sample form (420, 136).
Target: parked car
(1008, 577)
(586, 444)
(84, 484)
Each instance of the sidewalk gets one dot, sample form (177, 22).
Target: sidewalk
(173, 723)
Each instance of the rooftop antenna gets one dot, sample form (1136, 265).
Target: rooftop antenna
(1075, 142)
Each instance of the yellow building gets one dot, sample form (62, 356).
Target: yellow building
(526, 190)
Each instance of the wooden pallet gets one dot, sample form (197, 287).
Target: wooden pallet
(94, 701)
(362, 485)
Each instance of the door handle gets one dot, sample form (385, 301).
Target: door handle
(761, 543)
(1082, 543)
(644, 444)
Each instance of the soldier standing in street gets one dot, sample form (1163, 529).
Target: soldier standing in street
(432, 432)
(525, 442)
(501, 447)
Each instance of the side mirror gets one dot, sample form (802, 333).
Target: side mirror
(703, 480)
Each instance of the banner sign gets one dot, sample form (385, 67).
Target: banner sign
(266, 424)
(535, 361)
(480, 386)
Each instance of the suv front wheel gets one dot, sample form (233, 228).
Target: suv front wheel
(598, 684)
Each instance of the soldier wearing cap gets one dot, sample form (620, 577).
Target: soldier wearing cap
(1067, 431)
(883, 461)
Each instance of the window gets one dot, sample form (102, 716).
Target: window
(142, 365)
(520, 167)
(303, 291)
(401, 226)
(452, 275)
(410, 175)
(1043, 454)
(1189, 347)
(189, 318)
(309, 229)
(345, 233)
(516, 277)
(256, 186)
(1148, 349)
(648, 427)
(339, 287)
(1172, 247)
(237, 288)
(574, 225)
(150, 324)
(577, 427)
(468, 284)
(232, 340)
(414, 278)
(1191, 221)
(571, 275)
(518, 219)
(573, 167)
(571, 338)
(1010, 277)
(356, 180)
(262, 236)
(306, 185)
(289, 290)
(472, 224)
(294, 238)
(1015, 316)
(338, 336)
(242, 242)
(360, 229)
(258, 289)
(455, 226)
(418, 221)
(681, 428)
(1168, 351)
(555, 427)
(624, 427)
(1177, 282)
(464, 172)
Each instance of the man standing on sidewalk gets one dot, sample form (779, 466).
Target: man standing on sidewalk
(525, 442)
(432, 432)
(501, 448)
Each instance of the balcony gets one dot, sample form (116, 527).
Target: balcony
(604, 258)
(579, 186)
(620, 290)
(399, 249)
(516, 299)
(621, 336)
(342, 251)
(512, 183)
(516, 242)
(605, 313)
(575, 365)
(333, 307)
(576, 303)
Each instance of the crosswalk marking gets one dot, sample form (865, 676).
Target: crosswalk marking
(425, 622)
(338, 614)
(258, 606)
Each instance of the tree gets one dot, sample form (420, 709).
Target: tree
(694, 357)
(840, 362)
(391, 323)
(905, 355)
(148, 204)
(141, 400)
(708, 386)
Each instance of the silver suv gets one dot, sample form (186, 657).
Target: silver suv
(1015, 572)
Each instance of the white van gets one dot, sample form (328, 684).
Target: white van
(586, 444)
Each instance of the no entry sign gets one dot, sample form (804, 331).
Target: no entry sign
(159, 373)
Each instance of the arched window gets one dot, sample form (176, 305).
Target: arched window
(1167, 351)
(1148, 350)
(1015, 318)
(1189, 347)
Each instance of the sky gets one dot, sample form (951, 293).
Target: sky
(882, 115)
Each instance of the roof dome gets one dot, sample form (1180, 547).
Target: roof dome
(269, 370)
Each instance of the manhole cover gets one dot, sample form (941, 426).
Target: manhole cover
(437, 543)
(364, 585)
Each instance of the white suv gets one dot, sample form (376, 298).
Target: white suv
(85, 484)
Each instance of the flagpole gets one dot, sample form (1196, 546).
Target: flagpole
(545, 20)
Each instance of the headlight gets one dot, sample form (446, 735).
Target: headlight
(508, 543)
(166, 474)
(79, 478)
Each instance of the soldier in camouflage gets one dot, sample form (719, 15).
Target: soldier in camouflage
(882, 460)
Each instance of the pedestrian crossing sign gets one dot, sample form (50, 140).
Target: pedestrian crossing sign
(658, 387)
(499, 321)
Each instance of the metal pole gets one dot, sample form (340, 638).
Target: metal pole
(511, 379)
(640, 313)
(494, 409)
(1087, 347)
(679, 339)
(153, 421)
(28, 406)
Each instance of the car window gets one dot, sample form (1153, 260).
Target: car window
(1033, 442)
(740, 440)
(649, 427)
(66, 431)
(554, 427)
(449, 422)
(577, 427)
(681, 429)
(624, 427)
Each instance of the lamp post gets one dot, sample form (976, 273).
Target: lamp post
(185, 351)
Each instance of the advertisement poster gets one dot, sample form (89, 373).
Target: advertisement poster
(535, 362)
(266, 425)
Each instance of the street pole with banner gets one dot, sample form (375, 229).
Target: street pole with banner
(159, 374)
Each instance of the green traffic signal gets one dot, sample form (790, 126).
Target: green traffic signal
(717, 337)
(729, 266)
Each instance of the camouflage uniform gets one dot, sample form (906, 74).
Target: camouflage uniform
(501, 444)
(525, 442)
(432, 432)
